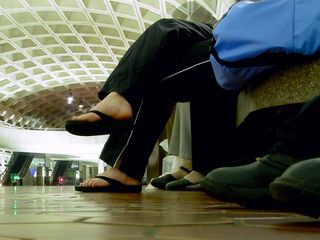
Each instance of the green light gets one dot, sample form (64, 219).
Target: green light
(14, 178)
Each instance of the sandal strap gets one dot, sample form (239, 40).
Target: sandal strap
(185, 169)
(101, 115)
(109, 180)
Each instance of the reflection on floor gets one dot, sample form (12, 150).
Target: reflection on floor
(34, 213)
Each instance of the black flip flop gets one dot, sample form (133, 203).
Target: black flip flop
(115, 186)
(104, 126)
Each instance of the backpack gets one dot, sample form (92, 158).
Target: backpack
(255, 37)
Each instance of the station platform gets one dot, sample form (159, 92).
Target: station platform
(59, 212)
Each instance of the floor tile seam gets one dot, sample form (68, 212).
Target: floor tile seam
(161, 225)
(45, 223)
(15, 238)
(278, 226)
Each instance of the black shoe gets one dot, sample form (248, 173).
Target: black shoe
(248, 184)
(194, 187)
(162, 181)
(299, 187)
(179, 185)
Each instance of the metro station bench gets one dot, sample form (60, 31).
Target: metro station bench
(289, 85)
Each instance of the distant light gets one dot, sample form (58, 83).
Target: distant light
(60, 180)
(80, 107)
(70, 99)
(14, 178)
(32, 172)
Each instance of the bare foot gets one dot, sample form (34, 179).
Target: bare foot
(112, 173)
(114, 105)
(194, 177)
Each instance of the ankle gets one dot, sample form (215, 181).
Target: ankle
(116, 174)
(194, 177)
(117, 106)
(180, 172)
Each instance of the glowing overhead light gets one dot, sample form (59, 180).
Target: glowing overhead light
(70, 97)
(80, 107)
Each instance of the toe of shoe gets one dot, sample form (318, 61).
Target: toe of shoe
(180, 184)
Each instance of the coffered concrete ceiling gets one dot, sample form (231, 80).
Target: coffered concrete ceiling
(50, 49)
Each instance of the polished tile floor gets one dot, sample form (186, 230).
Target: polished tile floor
(41, 213)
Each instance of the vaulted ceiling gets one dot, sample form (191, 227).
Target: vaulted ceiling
(52, 49)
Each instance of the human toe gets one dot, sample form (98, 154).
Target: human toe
(94, 182)
(90, 117)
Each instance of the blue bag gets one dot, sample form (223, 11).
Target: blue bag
(255, 37)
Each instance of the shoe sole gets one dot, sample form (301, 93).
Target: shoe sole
(251, 198)
(83, 128)
(178, 185)
(111, 189)
(299, 196)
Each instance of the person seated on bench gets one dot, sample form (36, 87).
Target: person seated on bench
(137, 97)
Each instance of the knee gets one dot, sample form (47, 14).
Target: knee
(165, 23)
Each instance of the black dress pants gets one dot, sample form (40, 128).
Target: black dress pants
(152, 57)
(197, 86)
(298, 136)
(157, 53)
